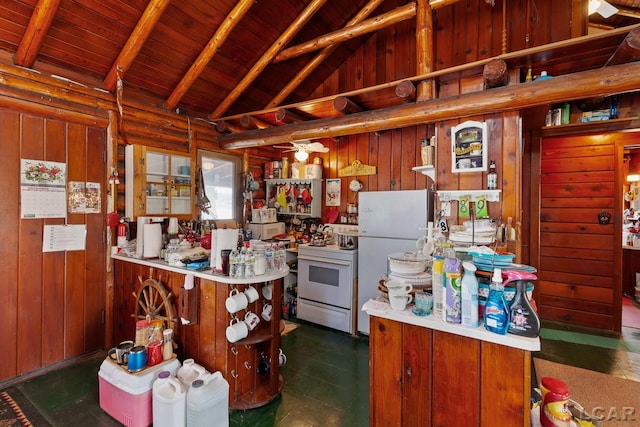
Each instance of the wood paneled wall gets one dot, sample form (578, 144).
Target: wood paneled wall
(54, 301)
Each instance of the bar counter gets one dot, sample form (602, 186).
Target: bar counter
(427, 372)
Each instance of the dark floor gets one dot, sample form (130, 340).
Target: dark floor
(326, 379)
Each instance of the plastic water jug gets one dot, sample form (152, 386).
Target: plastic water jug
(169, 401)
(190, 371)
(208, 402)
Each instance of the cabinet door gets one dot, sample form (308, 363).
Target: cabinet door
(385, 356)
(181, 189)
(417, 372)
(158, 180)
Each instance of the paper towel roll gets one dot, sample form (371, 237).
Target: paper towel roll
(225, 238)
(142, 220)
(152, 240)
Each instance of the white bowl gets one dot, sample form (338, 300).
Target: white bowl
(407, 263)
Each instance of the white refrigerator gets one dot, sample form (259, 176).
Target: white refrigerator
(388, 222)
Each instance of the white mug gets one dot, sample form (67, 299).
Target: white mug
(282, 358)
(251, 294)
(402, 289)
(399, 302)
(237, 301)
(267, 312)
(236, 330)
(267, 291)
(252, 320)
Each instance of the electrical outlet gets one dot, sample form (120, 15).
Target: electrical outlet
(445, 208)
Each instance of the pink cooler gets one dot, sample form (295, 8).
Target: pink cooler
(127, 397)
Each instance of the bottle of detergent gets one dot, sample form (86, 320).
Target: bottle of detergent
(452, 278)
(469, 295)
(496, 310)
(523, 318)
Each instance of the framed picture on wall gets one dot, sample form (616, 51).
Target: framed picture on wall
(469, 147)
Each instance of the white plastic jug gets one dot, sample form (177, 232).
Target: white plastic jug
(169, 401)
(208, 402)
(190, 371)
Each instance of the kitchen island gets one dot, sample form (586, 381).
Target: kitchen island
(427, 372)
(203, 337)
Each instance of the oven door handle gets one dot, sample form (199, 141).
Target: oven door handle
(324, 261)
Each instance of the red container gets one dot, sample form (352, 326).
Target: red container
(154, 353)
(555, 403)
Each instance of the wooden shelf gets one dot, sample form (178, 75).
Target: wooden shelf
(588, 127)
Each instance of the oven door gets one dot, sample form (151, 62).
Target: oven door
(325, 280)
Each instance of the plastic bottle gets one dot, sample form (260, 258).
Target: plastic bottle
(234, 260)
(492, 176)
(524, 320)
(496, 309)
(249, 264)
(169, 398)
(452, 278)
(190, 371)
(208, 402)
(529, 76)
(167, 345)
(543, 76)
(242, 260)
(469, 296)
(437, 277)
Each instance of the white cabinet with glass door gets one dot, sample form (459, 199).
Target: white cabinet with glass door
(158, 183)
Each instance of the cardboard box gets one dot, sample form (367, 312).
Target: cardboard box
(127, 397)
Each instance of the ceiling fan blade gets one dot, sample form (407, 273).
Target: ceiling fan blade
(317, 147)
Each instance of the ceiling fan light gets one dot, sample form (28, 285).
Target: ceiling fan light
(593, 6)
(301, 155)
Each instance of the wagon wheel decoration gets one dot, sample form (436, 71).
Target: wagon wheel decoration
(154, 302)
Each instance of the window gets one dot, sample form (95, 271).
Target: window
(220, 174)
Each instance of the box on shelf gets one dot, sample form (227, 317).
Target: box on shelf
(127, 396)
(264, 215)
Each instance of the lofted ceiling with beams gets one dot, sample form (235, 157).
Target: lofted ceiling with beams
(216, 59)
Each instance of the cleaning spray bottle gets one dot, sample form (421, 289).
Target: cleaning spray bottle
(523, 318)
(496, 310)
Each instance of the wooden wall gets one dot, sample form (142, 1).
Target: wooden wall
(53, 302)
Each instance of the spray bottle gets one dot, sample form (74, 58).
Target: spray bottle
(496, 309)
(523, 319)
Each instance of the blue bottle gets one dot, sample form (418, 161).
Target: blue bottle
(496, 310)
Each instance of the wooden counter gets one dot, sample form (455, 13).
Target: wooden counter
(204, 339)
(426, 372)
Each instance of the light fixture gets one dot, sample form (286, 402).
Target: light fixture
(301, 155)
(633, 178)
(602, 7)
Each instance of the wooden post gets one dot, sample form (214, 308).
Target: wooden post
(495, 74)
(406, 91)
(344, 105)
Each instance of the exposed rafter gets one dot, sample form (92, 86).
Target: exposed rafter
(37, 30)
(320, 57)
(268, 56)
(352, 31)
(208, 52)
(132, 47)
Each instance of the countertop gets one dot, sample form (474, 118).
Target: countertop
(374, 307)
(207, 274)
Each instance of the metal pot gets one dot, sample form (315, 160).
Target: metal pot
(347, 240)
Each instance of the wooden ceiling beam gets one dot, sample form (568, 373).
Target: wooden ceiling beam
(137, 39)
(250, 122)
(37, 29)
(344, 105)
(629, 49)
(221, 34)
(350, 32)
(603, 81)
(437, 4)
(320, 57)
(224, 126)
(287, 116)
(267, 57)
(406, 91)
(424, 49)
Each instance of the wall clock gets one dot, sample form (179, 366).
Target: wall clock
(355, 185)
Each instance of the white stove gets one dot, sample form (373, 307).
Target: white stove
(327, 286)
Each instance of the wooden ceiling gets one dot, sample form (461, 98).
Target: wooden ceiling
(220, 58)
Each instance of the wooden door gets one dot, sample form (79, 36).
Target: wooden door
(579, 253)
(385, 376)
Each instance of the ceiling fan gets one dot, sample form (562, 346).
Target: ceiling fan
(602, 7)
(303, 148)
